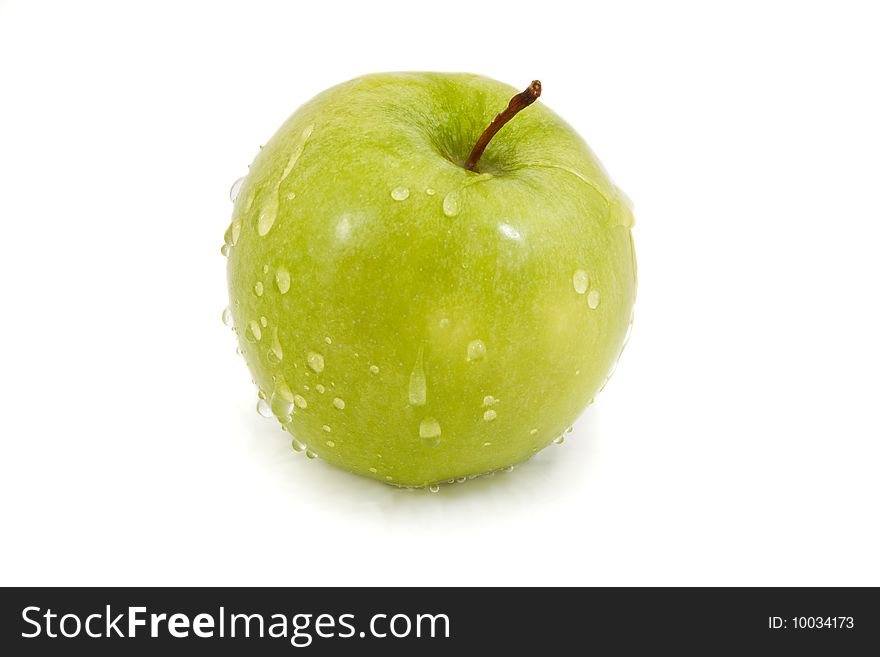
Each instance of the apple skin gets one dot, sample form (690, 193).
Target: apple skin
(423, 295)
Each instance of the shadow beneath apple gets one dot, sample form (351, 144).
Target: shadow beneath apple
(315, 483)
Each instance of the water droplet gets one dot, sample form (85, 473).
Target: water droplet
(253, 333)
(338, 403)
(291, 196)
(489, 400)
(315, 361)
(434, 488)
(374, 369)
(330, 443)
(373, 470)
(263, 408)
(311, 454)
(430, 191)
(328, 340)
(275, 353)
(429, 432)
(452, 204)
(418, 385)
(265, 269)
(224, 250)
(400, 193)
(235, 189)
(282, 279)
(258, 288)
(533, 432)
(593, 299)
(476, 350)
(487, 444)
(264, 322)
(268, 213)
(490, 415)
(559, 440)
(296, 445)
(508, 469)
(249, 202)
(295, 154)
(569, 430)
(581, 281)
(320, 388)
(227, 316)
(300, 401)
(327, 428)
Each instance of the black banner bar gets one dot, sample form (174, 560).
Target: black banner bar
(333, 621)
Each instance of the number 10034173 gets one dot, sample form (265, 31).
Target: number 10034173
(811, 623)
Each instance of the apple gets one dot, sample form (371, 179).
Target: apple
(414, 310)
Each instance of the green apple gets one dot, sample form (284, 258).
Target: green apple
(412, 320)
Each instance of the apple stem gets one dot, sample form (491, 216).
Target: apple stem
(516, 104)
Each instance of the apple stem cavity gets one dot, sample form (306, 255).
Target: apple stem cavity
(518, 103)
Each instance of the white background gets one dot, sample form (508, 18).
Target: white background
(738, 442)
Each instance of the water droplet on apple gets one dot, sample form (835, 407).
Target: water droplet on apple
(227, 316)
(508, 469)
(253, 333)
(310, 454)
(338, 403)
(295, 154)
(559, 440)
(300, 401)
(489, 400)
(533, 432)
(315, 361)
(267, 215)
(266, 269)
(327, 428)
(374, 369)
(476, 350)
(374, 470)
(258, 288)
(418, 385)
(296, 445)
(581, 281)
(235, 189)
(282, 408)
(429, 432)
(320, 388)
(434, 488)
(569, 430)
(330, 443)
(400, 193)
(263, 408)
(282, 279)
(430, 191)
(593, 299)
(489, 415)
(230, 237)
(224, 250)
(275, 353)
(452, 204)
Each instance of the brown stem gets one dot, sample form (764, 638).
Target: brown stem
(517, 103)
